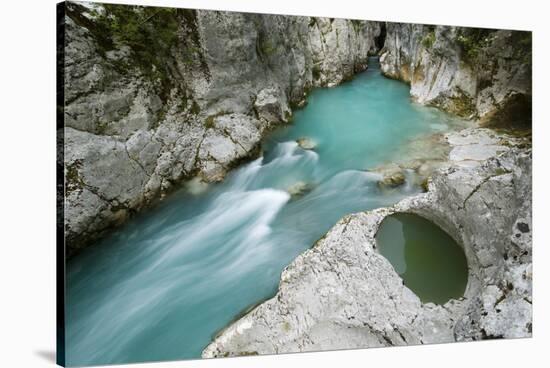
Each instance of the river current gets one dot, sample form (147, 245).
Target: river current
(162, 286)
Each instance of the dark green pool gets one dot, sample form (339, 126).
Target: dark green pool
(430, 262)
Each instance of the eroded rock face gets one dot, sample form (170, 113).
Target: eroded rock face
(478, 74)
(131, 136)
(343, 294)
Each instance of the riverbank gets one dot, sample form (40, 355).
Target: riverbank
(343, 294)
(138, 123)
(211, 250)
(136, 131)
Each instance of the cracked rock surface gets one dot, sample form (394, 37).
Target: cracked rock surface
(343, 294)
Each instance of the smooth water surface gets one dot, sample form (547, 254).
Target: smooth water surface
(430, 262)
(163, 285)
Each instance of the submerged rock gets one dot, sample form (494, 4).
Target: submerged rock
(306, 143)
(423, 155)
(392, 176)
(299, 189)
(473, 146)
(343, 294)
(196, 186)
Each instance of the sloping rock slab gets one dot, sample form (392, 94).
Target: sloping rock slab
(343, 294)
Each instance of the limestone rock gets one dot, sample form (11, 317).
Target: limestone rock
(478, 74)
(306, 143)
(299, 188)
(392, 176)
(271, 106)
(196, 186)
(232, 76)
(343, 294)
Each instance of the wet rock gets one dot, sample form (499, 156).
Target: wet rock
(306, 143)
(299, 189)
(393, 176)
(343, 294)
(196, 186)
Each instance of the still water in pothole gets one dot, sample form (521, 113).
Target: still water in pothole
(430, 262)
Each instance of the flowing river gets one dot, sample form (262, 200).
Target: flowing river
(164, 284)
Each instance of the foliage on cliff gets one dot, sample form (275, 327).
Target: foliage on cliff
(149, 32)
(429, 38)
(472, 40)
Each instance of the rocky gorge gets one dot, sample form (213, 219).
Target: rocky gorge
(141, 123)
(131, 134)
(344, 294)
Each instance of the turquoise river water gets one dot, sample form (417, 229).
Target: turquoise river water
(161, 286)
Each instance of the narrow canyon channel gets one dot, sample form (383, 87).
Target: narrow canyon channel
(165, 283)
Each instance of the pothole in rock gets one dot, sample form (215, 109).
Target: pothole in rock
(428, 260)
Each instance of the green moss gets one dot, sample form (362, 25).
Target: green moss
(195, 109)
(425, 185)
(501, 171)
(523, 42)
(472, 41)
(100, 33)
(429, 39)
(73, 181)
(357, 24)
(101, 128)
(192, 41)
(286, 326)
(515, 132)
(268, 48)
(462, 103)
(149, 32)
(316, 72)
(209, 121)
(247, 353)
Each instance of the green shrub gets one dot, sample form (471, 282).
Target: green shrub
(316, 72)
(268, 48)
(150, 32)
(472, 41)
(429, 39)
(522, 40)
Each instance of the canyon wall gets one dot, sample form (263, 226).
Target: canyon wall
(342, 293)
(194, 99)
(479, 74)
(198, 95)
